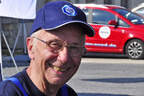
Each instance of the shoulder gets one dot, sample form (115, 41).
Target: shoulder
(66, 90)
(7, 88)
(71, 91)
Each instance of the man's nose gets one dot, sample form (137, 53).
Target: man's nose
(64, 55)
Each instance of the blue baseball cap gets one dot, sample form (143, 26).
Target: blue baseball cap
(56, 14)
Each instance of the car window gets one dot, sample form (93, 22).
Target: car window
(88, 13)
(132, 17)
(122, 23)
(101, 16)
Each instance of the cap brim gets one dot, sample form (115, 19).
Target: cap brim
(88, 30)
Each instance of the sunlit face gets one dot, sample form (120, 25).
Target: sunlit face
(57, 67)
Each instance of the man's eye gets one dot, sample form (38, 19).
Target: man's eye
(75, 48)
(55, 45)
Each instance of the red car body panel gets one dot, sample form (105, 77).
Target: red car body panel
(115, 39)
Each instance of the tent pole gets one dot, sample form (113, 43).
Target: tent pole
(19, 31)
(1, 70)
(25, 36)
(10, 52)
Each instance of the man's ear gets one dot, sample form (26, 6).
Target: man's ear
(29, 43)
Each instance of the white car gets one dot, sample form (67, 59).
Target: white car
(139, 9)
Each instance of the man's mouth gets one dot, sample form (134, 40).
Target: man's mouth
(58, 69)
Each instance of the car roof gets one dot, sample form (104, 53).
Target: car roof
(98, 6)
(138, 7)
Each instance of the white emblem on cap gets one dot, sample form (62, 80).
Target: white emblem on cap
(68, 10)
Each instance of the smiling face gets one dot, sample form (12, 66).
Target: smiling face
(58, 67)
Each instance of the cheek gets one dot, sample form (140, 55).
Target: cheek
(43, 55)
(76, 63)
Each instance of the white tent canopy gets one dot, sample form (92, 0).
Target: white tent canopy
(21, 9)
(17, 9)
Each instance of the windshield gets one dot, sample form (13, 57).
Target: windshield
(132, 17)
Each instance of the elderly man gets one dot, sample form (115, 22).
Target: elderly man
(55, 47)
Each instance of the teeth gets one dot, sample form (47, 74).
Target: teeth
(58, 69)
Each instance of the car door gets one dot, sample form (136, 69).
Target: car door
(107, 37)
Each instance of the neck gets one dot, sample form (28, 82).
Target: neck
(41, 83)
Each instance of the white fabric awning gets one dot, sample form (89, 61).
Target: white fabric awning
(21, 9)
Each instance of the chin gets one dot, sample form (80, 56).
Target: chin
(57, 81)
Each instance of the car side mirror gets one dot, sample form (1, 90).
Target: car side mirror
(112, 22)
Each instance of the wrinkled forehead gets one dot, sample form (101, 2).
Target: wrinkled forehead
(70, 31)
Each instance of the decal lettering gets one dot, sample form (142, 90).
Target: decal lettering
(101, 45)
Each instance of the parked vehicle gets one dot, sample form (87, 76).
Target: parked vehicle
(139, 9)
(117, 30)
